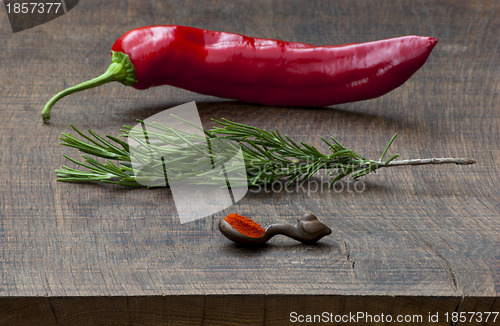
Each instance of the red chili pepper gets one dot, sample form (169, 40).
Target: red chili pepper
(259, 70)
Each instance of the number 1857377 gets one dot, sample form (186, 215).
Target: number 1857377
(33, 7)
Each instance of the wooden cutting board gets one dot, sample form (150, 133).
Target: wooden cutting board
(407, 239)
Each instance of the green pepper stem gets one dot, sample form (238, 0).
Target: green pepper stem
(121, 70)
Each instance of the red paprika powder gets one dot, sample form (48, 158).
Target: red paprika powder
(245, 225)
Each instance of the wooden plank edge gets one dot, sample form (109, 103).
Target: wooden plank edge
(236, 310)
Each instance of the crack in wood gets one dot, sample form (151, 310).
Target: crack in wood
(265, 310)
(53, 310)
(347, 252)
(454, 279)
(457, 309)
(204, 310)
(129, 313)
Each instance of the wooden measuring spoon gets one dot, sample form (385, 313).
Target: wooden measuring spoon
(309, 229)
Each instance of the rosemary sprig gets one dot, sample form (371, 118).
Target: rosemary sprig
(268, 156)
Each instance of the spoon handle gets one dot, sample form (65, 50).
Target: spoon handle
(297, 232)
(288, 230)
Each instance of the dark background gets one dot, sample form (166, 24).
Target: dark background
(426, 234)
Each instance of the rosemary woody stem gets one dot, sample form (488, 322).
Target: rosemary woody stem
(424, 161)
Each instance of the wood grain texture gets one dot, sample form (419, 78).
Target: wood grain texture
(407, 231)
